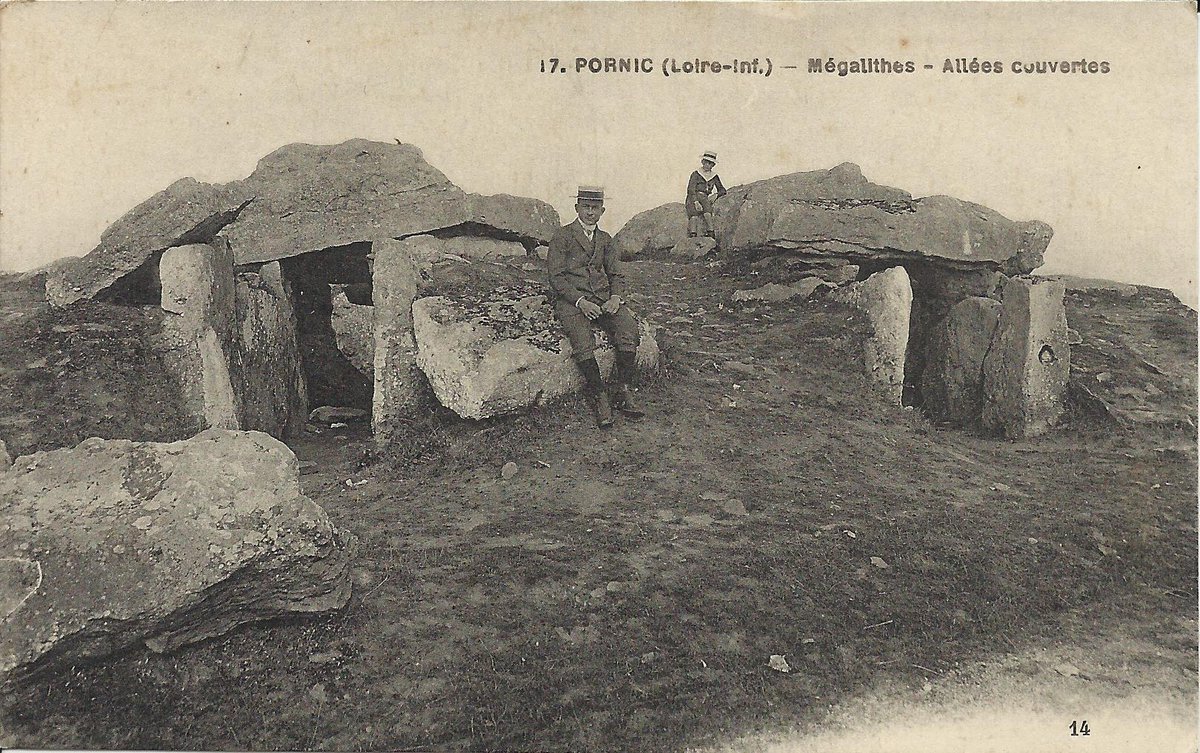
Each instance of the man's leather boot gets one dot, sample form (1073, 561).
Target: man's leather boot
(602, 407)
(623, 399)
(596, 393)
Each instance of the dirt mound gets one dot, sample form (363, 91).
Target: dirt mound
(626, 591)
(87, 371)
(1135, 362)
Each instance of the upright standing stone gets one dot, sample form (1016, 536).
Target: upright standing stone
(394, 276)
(952, 382)
(268, 379)
(887, 298)
(198, 296)
(1025, 372)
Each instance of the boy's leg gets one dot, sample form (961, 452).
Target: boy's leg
(583, 350)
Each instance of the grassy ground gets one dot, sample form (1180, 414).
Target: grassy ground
(626, 590)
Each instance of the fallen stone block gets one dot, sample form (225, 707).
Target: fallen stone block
(354, 331)
(113, 543)
(952, 382)
(773, 292)
(501, 355)
(694, 248)
(1028, 364)
(887, 298)
(331, 414)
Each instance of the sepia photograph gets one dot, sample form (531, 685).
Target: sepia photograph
(719, 377)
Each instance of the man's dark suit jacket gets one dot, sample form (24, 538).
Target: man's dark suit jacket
(579, 268)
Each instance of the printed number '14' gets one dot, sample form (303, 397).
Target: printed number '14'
(1079, 729)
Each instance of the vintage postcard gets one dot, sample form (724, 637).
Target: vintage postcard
(608, 376)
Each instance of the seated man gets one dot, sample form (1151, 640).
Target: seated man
(587, 281)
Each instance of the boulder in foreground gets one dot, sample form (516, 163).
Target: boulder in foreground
(113, 543)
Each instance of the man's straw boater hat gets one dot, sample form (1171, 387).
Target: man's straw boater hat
(710, 156)
(595, 193)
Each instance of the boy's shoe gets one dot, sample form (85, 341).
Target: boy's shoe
(624, 401)
(602, 408)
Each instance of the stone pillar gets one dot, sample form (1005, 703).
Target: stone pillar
(267, 376)
(1026, 369)
(887, 298)
(198, 296)
(952, 382)
(394, 278)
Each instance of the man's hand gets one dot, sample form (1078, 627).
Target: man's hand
(612, 304)
(699, 206)
(589, 309)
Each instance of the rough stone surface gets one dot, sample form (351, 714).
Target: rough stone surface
(268, 380)
(397, 382)
(836, 275)
(471, 247)
(952, 382)
(655, 231)
(1092, 284)
(515, 217)
(5, 458)
(1026, 370)
(503, 354)
(198, 300)
(838, 212)
(310, 198)
(114, 543)
(694, 248)
(301, 198)
(184, 213)
(887, 298)
(354, 331)
(773, 292)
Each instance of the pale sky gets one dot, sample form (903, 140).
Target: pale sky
(102, 105)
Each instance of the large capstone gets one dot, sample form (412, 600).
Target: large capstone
(300, 199)
(310, 197)
(186, 212)
(112, 543)
(1027, 366)
(887, 298)
(952, 382)
(840, 213)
